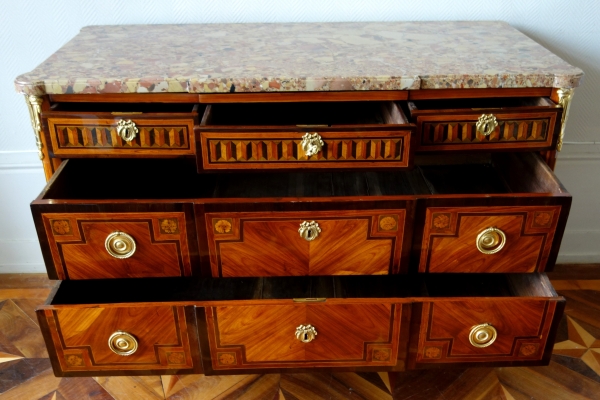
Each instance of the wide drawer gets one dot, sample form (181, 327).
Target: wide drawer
(120, 340)
(121, 129)
(489, 123)
(304, 135)
(254, 325)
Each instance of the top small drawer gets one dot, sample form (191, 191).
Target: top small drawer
(121, 129)
(531, 123)
(304, 136)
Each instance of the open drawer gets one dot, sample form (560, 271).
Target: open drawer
(503, 213)
(121, 129)
(500, 213)
(252, 325)
(304, 135)
(531, 123)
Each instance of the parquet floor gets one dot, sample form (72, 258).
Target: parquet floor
(574, 372)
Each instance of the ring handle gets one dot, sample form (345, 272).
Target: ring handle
(122, 343)
(309, 231)
(120, 245)
(482, 335)
(127, 130)
(486, 124)
(490, 240)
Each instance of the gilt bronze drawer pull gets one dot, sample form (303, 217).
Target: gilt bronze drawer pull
(482, 335)
(122, 343)
(306, 333)
(120, 245)
(127, 130)
(486, 124)
(309, 230)
(312, 143)
(491, 240)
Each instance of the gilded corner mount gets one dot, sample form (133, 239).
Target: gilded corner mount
(564, 100)
(34, 104)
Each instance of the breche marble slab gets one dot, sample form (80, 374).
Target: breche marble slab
(206, 58)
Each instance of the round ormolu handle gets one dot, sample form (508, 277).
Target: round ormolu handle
(122, 343)
(120, 245)
(482, 335)
(127, 130)
(309, 230)
(312, 143)
(306, 333)
(486, 124)
(491, 240)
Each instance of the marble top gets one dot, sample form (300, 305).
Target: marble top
(224, 58)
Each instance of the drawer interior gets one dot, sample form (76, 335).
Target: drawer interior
(326, 114)
(482, 103)
(125, 108)
(499, 173)
(200, 290)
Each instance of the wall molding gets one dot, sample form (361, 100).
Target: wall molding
(20, 159)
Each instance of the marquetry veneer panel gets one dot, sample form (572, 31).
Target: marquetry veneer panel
(284, 150)
(77, 244)
(79, 136)
(268, 244)
(450, 234)
(80, 336)
(522, 325)
(263, 336)
(458, 132)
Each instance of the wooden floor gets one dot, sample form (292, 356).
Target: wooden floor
(574, 372)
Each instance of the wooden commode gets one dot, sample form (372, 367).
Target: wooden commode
(358, 196)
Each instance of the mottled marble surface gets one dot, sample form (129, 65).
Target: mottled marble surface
(298, 57)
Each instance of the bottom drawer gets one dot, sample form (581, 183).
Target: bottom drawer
(123, 340)
(252, 325)
(332, 334)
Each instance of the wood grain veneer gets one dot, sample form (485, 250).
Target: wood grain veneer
(262, 336)
(79, 338)
(268, 244)
(77, 244)
(450, 235)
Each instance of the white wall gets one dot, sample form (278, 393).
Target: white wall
(31, 30)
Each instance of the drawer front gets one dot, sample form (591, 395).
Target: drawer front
(260, 150)
(486, 330)
(265, 336)
(514, 130)
(92, 245)
(109, 136)
(152, 339)
(463, 239)
(271, 244)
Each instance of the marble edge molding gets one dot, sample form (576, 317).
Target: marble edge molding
(258, 85)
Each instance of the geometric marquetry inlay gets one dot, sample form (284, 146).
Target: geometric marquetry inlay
(291, 150)
(465, 132)
(163, 137)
